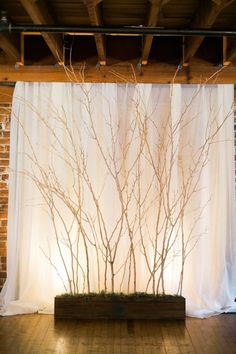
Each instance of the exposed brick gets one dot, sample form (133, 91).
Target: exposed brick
(3, 259)
(3, 193)
(5, 134)
(4, 165)
(2, 281)
(3, 229)
(4, 200)
(4, 162)
(3, 274)
(4, 154)
(3, 267)
(3, 208)
(5, 109)
(4, 119)
(3, 243)
(3, 222)
(4, 148)
(4, 141)
(4, 177)
(3, 252)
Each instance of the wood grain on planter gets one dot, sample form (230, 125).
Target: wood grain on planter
(86, 307)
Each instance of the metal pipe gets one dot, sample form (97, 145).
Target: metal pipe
(7, 83)
(108, 30)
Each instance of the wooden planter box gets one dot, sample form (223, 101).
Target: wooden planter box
(96, 307)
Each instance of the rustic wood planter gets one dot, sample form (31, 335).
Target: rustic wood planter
(96, 307)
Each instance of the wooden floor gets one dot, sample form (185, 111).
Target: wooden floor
(41, 334)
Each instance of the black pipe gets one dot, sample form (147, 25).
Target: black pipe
(7, 83)
(138, 30)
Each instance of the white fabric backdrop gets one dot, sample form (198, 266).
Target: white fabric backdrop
(210, 280)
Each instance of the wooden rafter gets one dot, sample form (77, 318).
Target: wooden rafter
(9, 48)
(156, 73)
(204, 18)
(95, 17)
(154, 11)
(231, 50)
(40, 15)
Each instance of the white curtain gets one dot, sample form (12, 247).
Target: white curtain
(156, 136)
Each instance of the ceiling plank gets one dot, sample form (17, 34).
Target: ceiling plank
(95, 17)
(231, 50)
(225, 51)
(154, 12)
(204, 18)
(9, 47)
(38, 11)
(197, 72)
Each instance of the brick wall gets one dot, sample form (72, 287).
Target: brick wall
(5, 107)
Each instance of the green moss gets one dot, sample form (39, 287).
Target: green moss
(138, 296)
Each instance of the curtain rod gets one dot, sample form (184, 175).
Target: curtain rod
(12, 83)
(7, 83)
(108, 30)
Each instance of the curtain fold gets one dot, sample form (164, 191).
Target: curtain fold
(104, 170)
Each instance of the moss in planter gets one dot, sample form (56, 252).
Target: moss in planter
(138, 296)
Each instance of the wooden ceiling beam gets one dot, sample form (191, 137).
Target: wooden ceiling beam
(154, 12)
(155, 73)
(9, 48)
(95, 17)
(38, 11)
(205, 17)
(231, 50)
